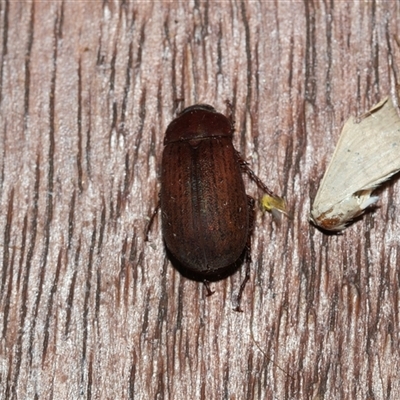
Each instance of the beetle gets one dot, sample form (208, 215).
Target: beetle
(207, 217)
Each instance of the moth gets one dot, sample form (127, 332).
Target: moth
(367, 154)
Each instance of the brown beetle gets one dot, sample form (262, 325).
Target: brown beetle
(207, 217)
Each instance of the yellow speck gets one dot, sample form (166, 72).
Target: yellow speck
(274, 205)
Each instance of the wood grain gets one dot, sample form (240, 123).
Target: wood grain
(88, 308)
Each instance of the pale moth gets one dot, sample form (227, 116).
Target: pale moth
(367, 154)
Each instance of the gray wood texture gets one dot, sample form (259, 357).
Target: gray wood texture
(88, 309)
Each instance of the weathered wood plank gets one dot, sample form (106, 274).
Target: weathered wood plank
(88, 309)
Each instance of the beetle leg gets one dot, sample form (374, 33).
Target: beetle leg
(247, 252)
(207, 285)
(246, 168)
(245, 280)
(151, 221)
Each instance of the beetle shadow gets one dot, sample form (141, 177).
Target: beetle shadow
(212, 276)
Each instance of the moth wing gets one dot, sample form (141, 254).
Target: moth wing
(368, 153)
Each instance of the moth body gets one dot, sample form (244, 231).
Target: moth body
(367, 154)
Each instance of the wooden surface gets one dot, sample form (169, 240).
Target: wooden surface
(88, 309)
